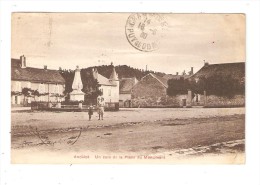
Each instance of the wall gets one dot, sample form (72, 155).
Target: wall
(125, 97)
(176, 101)
(125, 100)
(216, 101)
(148, 92)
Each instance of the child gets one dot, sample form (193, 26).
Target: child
(90, 111)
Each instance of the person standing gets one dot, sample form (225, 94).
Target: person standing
(101, 109)
(90, 111)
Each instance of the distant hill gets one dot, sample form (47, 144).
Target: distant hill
(124, 71)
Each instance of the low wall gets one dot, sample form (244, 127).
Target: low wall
(178, 101)
(110, 106)
(216, 101)
(155, 101)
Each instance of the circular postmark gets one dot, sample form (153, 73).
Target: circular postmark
(144, 30)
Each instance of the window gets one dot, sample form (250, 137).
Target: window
(18, 87)
(41, 88)
(28, 84)
(57, 89)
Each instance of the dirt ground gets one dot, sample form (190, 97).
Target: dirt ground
(130, 135)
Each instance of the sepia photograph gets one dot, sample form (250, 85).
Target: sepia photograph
(131, 88)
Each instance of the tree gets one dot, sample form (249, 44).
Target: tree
(215, 84)
(90, 87)
(178, 86)
(26, 92)
(220, 85)
(68, 76)
(35, 93)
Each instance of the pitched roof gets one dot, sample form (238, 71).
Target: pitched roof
(236, 70)
(34, 74)
(162, 80)
(15, 62)
(104, 81)
(126, 84)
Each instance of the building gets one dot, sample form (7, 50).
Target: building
(151, 90)
(234, 70)
(226, 70)
(109, 87)
(125, 91)
(49, 83)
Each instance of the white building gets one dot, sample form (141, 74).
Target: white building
(49, 83)
(109, 87)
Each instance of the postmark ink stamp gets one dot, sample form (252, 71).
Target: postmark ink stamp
(144, 30)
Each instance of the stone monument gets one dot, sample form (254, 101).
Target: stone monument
(77, 94)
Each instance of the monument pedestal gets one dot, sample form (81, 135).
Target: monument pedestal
(77, 95)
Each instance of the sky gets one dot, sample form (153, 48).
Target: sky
(89, 39)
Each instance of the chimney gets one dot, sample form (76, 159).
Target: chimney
(60, 69)
(191, 71)
(23, 61)
(206, 64)
(45, 67)
(177, 73)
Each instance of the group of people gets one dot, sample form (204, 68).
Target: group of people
(100, 110)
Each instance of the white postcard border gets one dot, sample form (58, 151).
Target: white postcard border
(135, 174)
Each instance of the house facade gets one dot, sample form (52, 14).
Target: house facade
(108, 87)
(49, 83)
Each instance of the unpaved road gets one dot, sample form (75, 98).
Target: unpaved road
(171, 132)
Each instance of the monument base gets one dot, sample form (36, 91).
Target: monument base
(77, 96)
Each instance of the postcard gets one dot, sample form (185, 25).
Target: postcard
(131, 88)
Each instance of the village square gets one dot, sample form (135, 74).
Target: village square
(138, 116)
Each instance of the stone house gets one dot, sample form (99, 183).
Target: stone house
(49, 83)
(149, 91)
